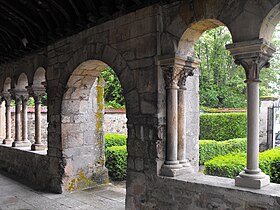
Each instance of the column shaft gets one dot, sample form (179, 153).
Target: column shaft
(24, 120)
(172, 125)
(8, 120)
(252, 127)
(17, 123)
(182, 121)
(38, 122)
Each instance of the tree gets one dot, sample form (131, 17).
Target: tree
(221, 81)
(113, 91)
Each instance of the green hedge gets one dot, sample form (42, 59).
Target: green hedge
(222, 126)
(231, 165)
(114, 140)
(116, 162)
(208, 149)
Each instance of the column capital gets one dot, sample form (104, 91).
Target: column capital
(36, 92)
(7, 97)
(191, 64)
(252, 55)
(174, 67)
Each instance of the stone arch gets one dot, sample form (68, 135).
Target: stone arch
(21, 82)
(193, 33)
(7, 84)
(39, 77)
(81, 125)
(269, 23)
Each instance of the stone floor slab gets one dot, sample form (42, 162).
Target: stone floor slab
(14, 195)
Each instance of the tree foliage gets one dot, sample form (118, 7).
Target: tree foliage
(222, 81)
(113, 91)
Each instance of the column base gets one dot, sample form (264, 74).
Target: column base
(255, 181)
(8, 141)
(21, 144)
(36, 147)
(184, 163)
(175, 170)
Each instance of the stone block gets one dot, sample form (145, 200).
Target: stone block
(148, 103)
(147, 46)
(141, 63)
(139, 164)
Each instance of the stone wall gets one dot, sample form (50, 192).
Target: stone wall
(115, 122)
(197, 192)
(34, 167)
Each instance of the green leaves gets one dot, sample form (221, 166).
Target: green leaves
(221, 81)
(116, 162)
(208, 149)
(113, 92)
(222, 126)
(231, 165)
(114, 140)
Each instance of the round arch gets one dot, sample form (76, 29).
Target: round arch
(269, 23)
(21, 82)
(7, 84)
(39, 77)
(82, 110)
(193, 33)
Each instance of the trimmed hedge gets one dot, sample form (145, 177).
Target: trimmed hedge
(114, 140)
(223, 126)
(208, 149)
(231, 165)
(116, 162)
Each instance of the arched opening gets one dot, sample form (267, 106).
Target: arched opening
(209, 80)
(38, 111)
(82, 132)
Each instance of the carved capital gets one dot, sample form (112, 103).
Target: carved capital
(37, 93)
(252, 55)
(6, 96)
(171, 76)
(188, 70)
(177, 69)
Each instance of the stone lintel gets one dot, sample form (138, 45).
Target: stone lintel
(252, 183)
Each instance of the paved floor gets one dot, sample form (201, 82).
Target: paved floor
(14, 195)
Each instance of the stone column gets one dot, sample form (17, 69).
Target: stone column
(172, 68)
(37, 94)
(25, 141)
(190, 65)
(253, 56)
(2, 119)
(7, 98)
(17, 142)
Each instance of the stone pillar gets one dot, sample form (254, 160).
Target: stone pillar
(172, 69)
(2, 119)
(25, 141)
(191, 64)
(253, 56)
(7, 98)
(17, 142)
(37, 94)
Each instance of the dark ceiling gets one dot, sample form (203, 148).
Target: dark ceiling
(28, 25)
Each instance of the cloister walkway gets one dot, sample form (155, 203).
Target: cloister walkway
(15, 195)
